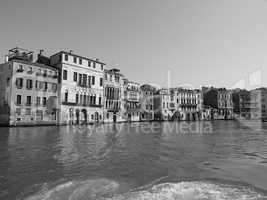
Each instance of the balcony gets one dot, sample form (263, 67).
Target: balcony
(29, 88)
(18, 103)
(20, 70)
(28, 104)
(95, 105)
(83, 85)
(69, 103)
(19, 86)
(113, 109)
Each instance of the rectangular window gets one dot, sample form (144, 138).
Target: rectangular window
(99, 101)
(54, 87)
(94, 65)
(93, 80)
(81, 99)
(91, 100)
(75, 76)
(89, 63)
(77, 98)
(80, 61)
(29, 100)
(102, 67)
(65, 74)
(94, 100)
(84, 80)
(66, 57)
(84, 99)
(80, 79)
(66, 97)
(38, 101)
(46, 86)
(75, 59)
(89, 81)
(44, 101)
(29, 84)
(18, 100)
(101, 82)
(19, 83)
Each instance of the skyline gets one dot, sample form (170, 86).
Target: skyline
(190, 39)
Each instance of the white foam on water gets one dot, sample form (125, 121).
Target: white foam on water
(78, 190)
(192, 191)
(104, 189)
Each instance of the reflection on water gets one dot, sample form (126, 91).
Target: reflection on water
(112, 160)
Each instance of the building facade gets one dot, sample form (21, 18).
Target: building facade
(113, 96)
(131, 100)
(187, 103)
(29, 90)
(163, 105)
(81, 88)
(219, 101)
(253, 104)
(147, 102)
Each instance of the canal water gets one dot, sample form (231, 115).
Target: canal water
(168, 160)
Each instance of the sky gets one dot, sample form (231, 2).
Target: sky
(193, 42)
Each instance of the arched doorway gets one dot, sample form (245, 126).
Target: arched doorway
(77, 116)
(96, 116)
(187, 118)
(71, 116)
(84, 116)
(114, 117)
(194, 116)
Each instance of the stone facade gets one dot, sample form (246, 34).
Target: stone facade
(147, 102)
(188, 103)
(162, 100)
(81, 88)
(220, 101)
(113, 96)
(131, 100)
(29, 90)
(253, 104)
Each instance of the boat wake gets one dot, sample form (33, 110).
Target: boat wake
(192, 191)
(103, 189)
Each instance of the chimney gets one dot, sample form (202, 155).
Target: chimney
(41, 52)
(97, 60)
(71, 51)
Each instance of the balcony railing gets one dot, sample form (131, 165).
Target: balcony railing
(83, 85)
(19, 86)
(69, 103)
(28, 104)
(20, 70)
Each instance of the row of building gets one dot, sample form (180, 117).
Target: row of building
(66, 88)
